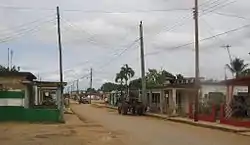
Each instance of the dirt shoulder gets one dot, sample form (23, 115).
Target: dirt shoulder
(74, 132)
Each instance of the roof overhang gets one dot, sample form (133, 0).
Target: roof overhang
(48, 84)
(241, 81)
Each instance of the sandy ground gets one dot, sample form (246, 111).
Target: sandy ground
(74, 132)
(102, 126)
(142, 130)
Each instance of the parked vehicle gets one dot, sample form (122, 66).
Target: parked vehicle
(83, 100)
(131, 104)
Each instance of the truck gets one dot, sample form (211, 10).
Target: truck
(130, 104)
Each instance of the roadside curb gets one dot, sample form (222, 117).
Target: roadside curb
(241, 132)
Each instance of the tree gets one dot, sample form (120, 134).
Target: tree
(156, 78)
(119, 78)
(108, 87)
(246, 72)
(6, 69)
(91, 90)
(237, 67)
(3, 69)
(135, 84)
(127, 72)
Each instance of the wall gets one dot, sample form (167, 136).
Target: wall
(12, 98)
(185, 102)
(14, 83)
(221, 88)
(18, 113)
(12, 109)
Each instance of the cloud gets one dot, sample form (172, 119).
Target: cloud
(94, 38)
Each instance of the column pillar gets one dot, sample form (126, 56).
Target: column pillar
(162, 101)
(174, 101)
(150, 98)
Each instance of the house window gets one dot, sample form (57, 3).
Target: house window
(156, 97)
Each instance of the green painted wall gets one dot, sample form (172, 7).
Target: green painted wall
(16, 113)
(12, 94)
(11, 113)
(42, 115)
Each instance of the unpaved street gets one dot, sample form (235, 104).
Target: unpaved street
(74, 132)
(136, 130)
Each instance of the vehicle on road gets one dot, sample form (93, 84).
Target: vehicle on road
(83, 100)
(130, 104)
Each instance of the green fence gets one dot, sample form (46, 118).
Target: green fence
(16, 113)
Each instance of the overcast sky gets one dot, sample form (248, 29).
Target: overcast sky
(96, 33)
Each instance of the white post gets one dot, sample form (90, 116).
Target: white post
(36, 95)
(58, 98)
(174, 101)
(161, 101)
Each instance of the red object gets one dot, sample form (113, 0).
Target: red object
(230, 121)
(203, 117)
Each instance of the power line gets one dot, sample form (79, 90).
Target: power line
(82, 30)
(216, 7)
(23, 32)
(204, 39)
(231, 15)
(96, 11)
(27, 24)
(111, 60)
(188, 17)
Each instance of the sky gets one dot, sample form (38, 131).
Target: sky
(103, 35)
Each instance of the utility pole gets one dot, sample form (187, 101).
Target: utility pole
(197, 71)
(228, 51)
(77, 87)
(11, 58)
(8, 58)
(227, 47)
(91, 84)
(61, 102)
(143, 91)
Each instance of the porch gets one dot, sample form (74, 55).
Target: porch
(172, 101)
(18, 100)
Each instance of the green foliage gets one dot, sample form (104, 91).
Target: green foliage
(91, 90)
(135, 84)
(158, 78)
(237, 67)
(108, 87)
(6, 69)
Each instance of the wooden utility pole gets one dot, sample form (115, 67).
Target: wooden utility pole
(197, 71)
(91, 84)
(61, 102)
(227, 47)
(9, 58)
(143, 91)
(77, 87)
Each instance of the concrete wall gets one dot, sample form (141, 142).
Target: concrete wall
(12, 108)
(185, 102)
(14, 84)
(12, 98)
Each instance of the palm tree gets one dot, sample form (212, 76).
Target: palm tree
(119, 78)
(128, 73)
(237, 66)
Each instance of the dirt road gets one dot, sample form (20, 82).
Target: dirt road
(136, 130)
(74, 132)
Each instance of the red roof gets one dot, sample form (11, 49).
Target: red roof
(241, 81)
